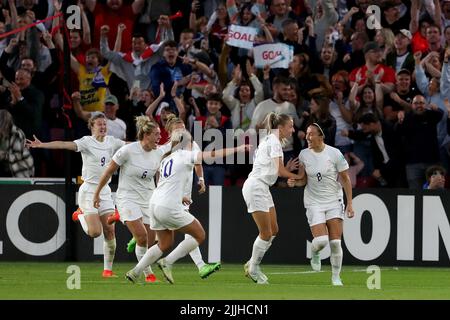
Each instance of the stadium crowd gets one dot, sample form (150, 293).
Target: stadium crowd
(380, 90)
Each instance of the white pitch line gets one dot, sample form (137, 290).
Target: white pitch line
(307, 272)
(295, 272)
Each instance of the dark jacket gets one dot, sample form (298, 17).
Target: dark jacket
(409, 63)
(419, 136)
(162, 72)
(27, 114)
(393, 170)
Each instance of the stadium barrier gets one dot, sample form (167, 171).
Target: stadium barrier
(391, 227)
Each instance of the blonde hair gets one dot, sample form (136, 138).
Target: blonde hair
(6, 123)
(171, 121)
(98, 115)
(273, 120)
(178, 140)
(144, 125)
(389, 38)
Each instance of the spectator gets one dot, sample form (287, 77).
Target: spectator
(242, 97)
(112, 14)
(148, 22)
(160, 112)
(26, 104)
(40, 79)
(279, 104)
(433, 36)
(214, 173)
(418, 131)
(435, 91)
(115, 127)
(135, 105)
(93, 79)
(279, 13)
(340, 110)
(400, 99)
(320, 114)
(15, 160)
(391, 16)
(385, 39)
(385, 146)
(373, 70)
(355, 57)
(418, 27)
(325, 16)
(218, 27)
(170, 69)
(435, 178)
(133, 66)
(402, 57)
(329, 63)
(369, 101)
(355, 166)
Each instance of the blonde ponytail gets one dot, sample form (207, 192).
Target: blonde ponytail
(178, 140)
(273, 120)
(144, 125)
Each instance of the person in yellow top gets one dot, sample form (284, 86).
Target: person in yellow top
(93, 79)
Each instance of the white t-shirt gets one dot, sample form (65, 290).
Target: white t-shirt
(265, 107)
(265, 165)
(174, 173)
(341, 124)
(96, 155)
(117, 128)
(137, 169)
(322, 170)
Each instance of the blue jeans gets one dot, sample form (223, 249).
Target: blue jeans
(415, 174)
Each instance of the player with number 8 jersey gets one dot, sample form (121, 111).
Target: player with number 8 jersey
(323, 197)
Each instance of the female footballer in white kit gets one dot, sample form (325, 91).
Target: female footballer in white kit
(138, 162)
(323, 197)
(96, 152)
(166, 208)
(204, 269)
(267, 167)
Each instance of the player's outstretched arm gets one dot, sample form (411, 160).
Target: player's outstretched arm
(209, 155)
(36, 143)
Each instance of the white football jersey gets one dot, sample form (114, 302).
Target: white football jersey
(174, 173)
(96, 155)
(322, 170)
(137, 170)
(190, 180)
(264, 166)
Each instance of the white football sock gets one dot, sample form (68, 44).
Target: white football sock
(83, 223)
(319, 243)
(336, 257)
(196, 255)
(109, 250)
(185, 246)
(260, 247)
(152, 254)
(140, 252)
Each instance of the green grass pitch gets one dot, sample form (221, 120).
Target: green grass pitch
(35, 280)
